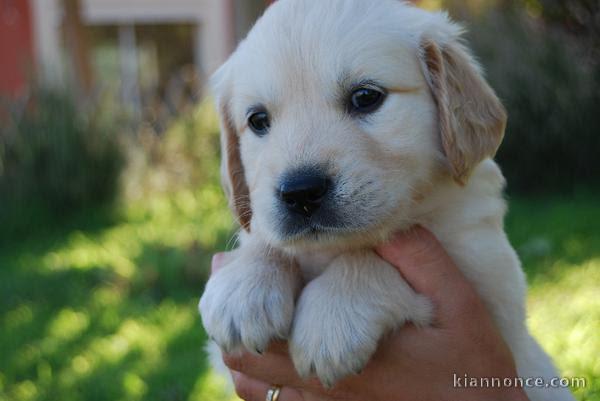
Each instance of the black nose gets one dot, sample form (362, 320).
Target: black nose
(303, 192)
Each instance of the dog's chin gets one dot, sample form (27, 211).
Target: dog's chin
(315, 236)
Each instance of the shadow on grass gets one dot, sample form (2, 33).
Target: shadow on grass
(550, 233)
(32, 229)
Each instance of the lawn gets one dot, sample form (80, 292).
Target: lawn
(103, 306)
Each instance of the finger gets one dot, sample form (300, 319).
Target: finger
(427, 267)
(249, 389)
(271, 367)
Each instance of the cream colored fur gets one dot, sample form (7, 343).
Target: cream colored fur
(423, 158)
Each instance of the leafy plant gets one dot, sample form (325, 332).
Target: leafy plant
(57, 158)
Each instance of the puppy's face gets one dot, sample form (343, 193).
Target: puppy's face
(334, 116)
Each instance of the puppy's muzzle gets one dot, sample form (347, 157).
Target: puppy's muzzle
(302, 191)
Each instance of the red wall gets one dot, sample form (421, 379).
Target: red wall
(16, 46)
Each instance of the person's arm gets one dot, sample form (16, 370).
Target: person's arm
(427, 363)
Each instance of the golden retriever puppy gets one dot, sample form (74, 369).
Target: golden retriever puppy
(344, 121)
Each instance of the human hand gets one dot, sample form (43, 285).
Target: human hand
(413, 363)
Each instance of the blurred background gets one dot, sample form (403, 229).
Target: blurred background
(110, 206)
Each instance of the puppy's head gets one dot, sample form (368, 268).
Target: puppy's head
(337, 115)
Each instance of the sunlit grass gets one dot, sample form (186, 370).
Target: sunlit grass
(565, 316)
(108, 312)
(212, 386)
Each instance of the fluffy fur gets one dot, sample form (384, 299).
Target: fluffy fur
(423, 158)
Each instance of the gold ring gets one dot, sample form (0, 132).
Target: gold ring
(273, 393)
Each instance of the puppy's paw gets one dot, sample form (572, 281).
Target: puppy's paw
(330, 339)
(341, 316)
(249, 306)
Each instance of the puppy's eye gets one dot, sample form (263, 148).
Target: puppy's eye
(259, 123)
(366, 100)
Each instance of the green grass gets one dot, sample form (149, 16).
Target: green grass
(558, 240)
(103, 306)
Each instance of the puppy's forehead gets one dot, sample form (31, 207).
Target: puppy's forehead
(315, 46)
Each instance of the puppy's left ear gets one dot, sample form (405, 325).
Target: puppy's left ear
(233, 177)
(471, 118)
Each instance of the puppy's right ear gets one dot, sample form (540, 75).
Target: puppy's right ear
(233, 178)
(471, 117)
